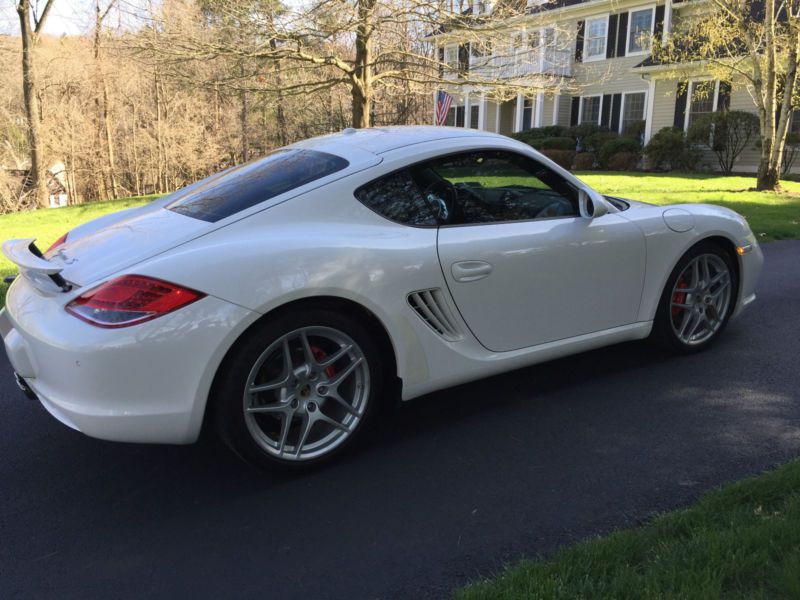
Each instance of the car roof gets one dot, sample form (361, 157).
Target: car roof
(378, 140)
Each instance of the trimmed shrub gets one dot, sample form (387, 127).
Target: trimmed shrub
(634, 131)
(584, 161)
(595, 141)
(555, 143)
(623, 161)
(562, 158)
(584, 130)
(727, 133)
(668, 149)
(530, 136)
(616, 146)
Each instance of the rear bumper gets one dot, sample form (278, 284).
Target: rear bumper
(148, 383)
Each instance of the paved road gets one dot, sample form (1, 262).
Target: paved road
(461, 482)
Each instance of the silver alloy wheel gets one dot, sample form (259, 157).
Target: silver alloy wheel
(700, 299)
(306, 393)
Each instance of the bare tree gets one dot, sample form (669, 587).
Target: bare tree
(31, 26)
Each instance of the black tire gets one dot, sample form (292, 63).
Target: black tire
(663, 333)
(228, 395)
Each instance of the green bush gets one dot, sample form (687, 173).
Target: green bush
(529, 136)
(615, 146)
(554, 143)
(668, 149)
(562, 158)
(790, 151)
(635, 131)
(585, 161)
(595, 141)
(623, 161)
(727, 133)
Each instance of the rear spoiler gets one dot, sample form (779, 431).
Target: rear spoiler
(33, 266)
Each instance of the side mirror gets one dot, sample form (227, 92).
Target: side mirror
(591, 204)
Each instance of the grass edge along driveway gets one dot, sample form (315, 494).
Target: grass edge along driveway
(740, 541)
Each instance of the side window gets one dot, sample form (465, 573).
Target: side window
(397, 197)
(494, 186)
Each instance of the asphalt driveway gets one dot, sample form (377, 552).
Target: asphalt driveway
(460, 482)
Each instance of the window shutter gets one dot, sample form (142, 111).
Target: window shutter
(576, 106)
(463, 59)
(616, 107)
(622, 34)
(658, 25)
(579, 41)
(605, 113)
(680, 105)
(611, 42)
(724, 96)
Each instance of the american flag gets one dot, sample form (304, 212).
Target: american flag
(443, 102)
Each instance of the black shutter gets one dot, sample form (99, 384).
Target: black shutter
(615, 111)
(463, 60)
(573, 115)
(611, 42)
(579, 41)
(605, 112)
(724, 96)
(680, 105)
(658, 27)
(460, 116)
(622, 34)
(441, 62)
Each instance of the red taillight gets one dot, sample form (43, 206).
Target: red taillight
(129, 300)
(57, 243)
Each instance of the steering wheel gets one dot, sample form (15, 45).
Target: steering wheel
(441, 196)
(554, 209)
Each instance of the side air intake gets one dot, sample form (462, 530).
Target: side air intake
(432, 308)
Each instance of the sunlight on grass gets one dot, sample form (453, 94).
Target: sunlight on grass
(742, 541)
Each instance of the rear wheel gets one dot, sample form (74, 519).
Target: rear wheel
(698, 299)
(299, 390)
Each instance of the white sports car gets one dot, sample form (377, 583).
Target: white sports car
(284, 301)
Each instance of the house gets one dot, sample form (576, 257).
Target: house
(57, 191)
(568, 62)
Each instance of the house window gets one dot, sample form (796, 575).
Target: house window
(632, 110)
(527, 114)
(795, 125)
(474, 116)
(702, 100)
(451, 56)
(640, 30)
(596, 36)
(590, 109)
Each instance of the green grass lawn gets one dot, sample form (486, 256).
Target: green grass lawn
(771, 216)
(739, 542)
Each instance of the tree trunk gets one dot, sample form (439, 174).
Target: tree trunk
(361, 79)
(112, 168)
(38, 173)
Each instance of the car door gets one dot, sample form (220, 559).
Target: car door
(523, 267)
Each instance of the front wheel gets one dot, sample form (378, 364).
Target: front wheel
(697, 301)
(299, 390)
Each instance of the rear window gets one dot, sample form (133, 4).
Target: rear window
(244, 186)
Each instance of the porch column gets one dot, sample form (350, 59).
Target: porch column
(651, 100)
(556, 102)
(519, 112)
(467, 106)
(482, 112)
(539, 114)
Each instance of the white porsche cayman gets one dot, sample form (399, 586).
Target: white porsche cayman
(282, 302)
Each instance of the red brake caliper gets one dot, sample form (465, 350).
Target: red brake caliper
(679, 297)
(321, 355)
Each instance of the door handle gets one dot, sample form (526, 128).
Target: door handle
(470, 270)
